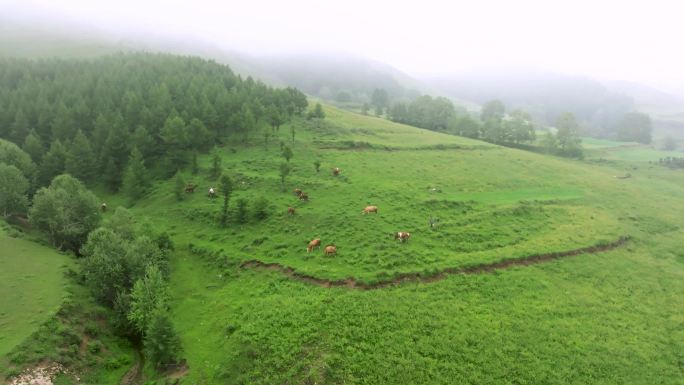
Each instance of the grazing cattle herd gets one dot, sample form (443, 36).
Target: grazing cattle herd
(401, 236)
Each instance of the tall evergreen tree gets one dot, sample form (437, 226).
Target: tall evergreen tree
(215, 170)
(63, 125)
(175, 137)
(52, 164)
(80, 159)
(149, 292)
(33, 146)
(115, 153)
(145, 143)
(20, 127)
(135, 180)
(226, 190)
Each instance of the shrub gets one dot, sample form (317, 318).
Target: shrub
(261, 210)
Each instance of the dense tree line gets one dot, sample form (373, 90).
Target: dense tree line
(91, 117)
(672, 162)
(439, 114)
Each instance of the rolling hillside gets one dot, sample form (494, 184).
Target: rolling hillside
(520, 267)
(577, 317)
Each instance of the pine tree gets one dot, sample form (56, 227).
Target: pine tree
(175, 137)
(142, 139)
(52, 164)
(34, 146)
(148, 293)
(80, 159)
(200, 137)
(115, 153)
(20, 127)
(161, 343)
(179, 186)
(63, 125)
(284, 172)
(195, 165)
(215, 165)
(135, 180)
(226, 190)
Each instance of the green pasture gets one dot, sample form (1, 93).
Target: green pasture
(601, 318)
(31, 287)
(604, 318)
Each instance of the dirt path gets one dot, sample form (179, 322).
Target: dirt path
(352, 283)
(134, 375)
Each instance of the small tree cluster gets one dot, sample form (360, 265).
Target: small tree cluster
(566, 141)
(66, 212)
(127, 272)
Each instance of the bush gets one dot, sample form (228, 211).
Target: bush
(261, 210)
(241, 214)
(95, 347)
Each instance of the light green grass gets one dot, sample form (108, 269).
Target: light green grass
(379, 131)
(31, 287)
(592, 143)
(624, 151)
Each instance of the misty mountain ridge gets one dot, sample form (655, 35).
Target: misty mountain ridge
(349, 79)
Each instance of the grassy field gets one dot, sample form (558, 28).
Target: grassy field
(31, 287)
(607, 318)
(627, 152)
(46, 317)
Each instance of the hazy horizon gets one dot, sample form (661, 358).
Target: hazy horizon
(613, 40)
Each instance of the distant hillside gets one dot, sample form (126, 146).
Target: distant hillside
(340, 77)
(666, 110)
(544, 94)
(333, 77)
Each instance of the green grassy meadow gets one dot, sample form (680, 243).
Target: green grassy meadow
(605, 318)
(627, 152)
(31, 287)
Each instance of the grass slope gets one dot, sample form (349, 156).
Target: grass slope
(31, 287)
(606, 318)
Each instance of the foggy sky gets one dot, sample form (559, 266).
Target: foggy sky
(628, 40)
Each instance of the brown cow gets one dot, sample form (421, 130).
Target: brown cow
(298, 192)
(103, 207)
(370, 209)
(402, 236)
(330, 250)
(313, 244)
(190, 188)
(336, 171)
(304, 197)
(291, 211)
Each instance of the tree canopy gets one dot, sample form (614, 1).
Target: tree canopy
(66, 211)
(100, 109)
